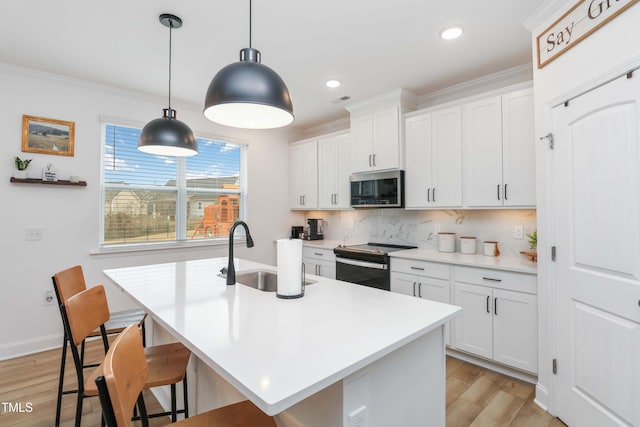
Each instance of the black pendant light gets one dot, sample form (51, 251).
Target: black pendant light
(168, 136)
(248, 95)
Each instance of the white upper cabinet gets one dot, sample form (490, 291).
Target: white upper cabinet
(376, 140)
(303, 175)
(433, 177)
(518, 149)
(334, 154)
(499, 151)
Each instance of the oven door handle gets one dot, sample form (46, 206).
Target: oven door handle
(362, 263)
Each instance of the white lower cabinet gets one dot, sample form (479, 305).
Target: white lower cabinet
(319, 261)
(422, 279)
(496, 323)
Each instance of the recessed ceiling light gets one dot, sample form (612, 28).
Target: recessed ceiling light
(333, 83)
(451, 33)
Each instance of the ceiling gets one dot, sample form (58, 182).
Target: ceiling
(373, 47)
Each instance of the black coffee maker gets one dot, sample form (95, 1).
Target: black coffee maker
(315, 229)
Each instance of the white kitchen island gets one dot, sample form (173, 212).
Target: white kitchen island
(342, 351)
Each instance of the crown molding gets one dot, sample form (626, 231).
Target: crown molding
(401, 96)
(542, 14)
(512, 76)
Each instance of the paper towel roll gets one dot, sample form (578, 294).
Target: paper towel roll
(289, 268)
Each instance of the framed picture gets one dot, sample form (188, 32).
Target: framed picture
(47, 136)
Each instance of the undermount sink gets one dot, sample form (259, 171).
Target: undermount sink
(262, 280)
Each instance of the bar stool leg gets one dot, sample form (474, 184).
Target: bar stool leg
(61, 380)
(185, 396)
(174, 415)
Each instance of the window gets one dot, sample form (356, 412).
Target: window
(149, 198)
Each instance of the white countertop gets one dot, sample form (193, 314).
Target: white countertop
(322, 244)
(518, 264)
(274, 351)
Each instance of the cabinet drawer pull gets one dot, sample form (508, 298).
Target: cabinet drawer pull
(318, 253)
(417, 268)
(488, 311)
(495, 306)
(491, 280)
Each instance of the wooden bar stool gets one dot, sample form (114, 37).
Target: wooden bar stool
(125, 373)
(88, 310)
(67, 283)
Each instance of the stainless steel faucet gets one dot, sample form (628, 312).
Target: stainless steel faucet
(231, 271)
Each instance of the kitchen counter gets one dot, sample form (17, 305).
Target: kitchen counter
(279, 352)
(517, 264)
(322, 244)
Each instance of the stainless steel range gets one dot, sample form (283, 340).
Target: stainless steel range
(366, 264)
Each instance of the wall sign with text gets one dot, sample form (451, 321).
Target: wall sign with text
(584, 18)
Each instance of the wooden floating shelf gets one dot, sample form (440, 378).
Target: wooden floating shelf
(39, 181)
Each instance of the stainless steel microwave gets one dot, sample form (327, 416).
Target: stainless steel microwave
(377, 190)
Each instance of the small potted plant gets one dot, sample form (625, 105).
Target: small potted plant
(533, 245)
(21, 166)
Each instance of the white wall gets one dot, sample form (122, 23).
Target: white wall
(582, 66)
(70, 216)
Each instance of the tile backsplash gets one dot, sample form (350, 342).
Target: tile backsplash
(419, 228)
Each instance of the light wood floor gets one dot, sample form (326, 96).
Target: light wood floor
(475, 396)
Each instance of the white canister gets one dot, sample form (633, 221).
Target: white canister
(446, 242)
(491, 248)
(468, 245)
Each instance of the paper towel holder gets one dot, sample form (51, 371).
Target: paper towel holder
(301, 294)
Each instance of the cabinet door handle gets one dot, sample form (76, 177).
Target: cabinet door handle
(304, 199)
(491, 280)
(374, 160)
(300, 200)
(495, 306)
(498, 190)
(419, 290)
(336, 198)
(488, 311)
(428, 194)
(417, 268)
(434, 194)
(505, 191)
(370, 160)
(414, 289)
(319, 270)
(318, 253)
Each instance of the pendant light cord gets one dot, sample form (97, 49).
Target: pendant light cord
(170, 31)
(250, 23)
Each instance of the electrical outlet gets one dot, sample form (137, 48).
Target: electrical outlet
(358, 418)
(48, 298)
(518, 232)
(33, 234)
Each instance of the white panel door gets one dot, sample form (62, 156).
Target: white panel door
(482, 145)
(597, 222)
(343, 171)
(327, 172)
(518, 149)
(417, 176)
(403, 283)
(386, 139)
(473, 328)
(515, 329)
(296, 176)
(362, 143)
(446, 158)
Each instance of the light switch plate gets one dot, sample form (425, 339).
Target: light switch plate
(34, 234)
(518, 232)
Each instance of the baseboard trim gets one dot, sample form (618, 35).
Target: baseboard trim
(542, 398)
(24, 348)
(515, 373)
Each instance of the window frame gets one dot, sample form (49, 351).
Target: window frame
(182, 191)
